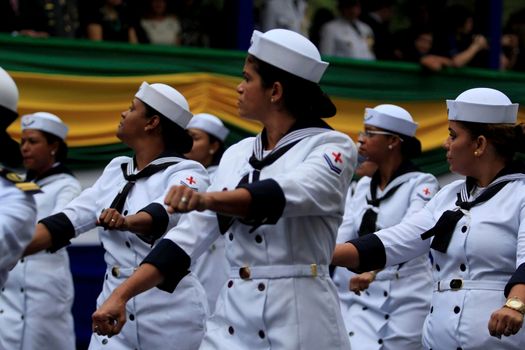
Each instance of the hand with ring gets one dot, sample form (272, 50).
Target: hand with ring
(111, 219)
(182, 199)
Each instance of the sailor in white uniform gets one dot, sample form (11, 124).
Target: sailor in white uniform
(18, 209)
(278, 198)
(396, 300)
(40, 287)
(18, 213)
(209, 133)
(126, 202)
(474, 229)
(346, 35)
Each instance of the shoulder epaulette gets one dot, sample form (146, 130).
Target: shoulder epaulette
(15, 179)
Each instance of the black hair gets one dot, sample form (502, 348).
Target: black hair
(61, 153)
(410, 146)
(7, 117)
(457, 15)
(304, 99)
(175, 137)
(506, 139)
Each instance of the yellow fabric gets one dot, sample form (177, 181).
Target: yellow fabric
(91, 106)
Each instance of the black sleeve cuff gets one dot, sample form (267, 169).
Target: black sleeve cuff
(61, 229)
(159, 223)
(518, 277)
(268, 202)
(172, 262)
(371, 252)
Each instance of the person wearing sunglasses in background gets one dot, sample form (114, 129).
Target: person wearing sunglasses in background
(391, 304)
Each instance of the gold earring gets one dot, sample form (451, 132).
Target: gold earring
(53, 153)
(476, 153)
(390, 147)
(271, 100)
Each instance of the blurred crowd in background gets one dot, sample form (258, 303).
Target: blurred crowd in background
(436, 33)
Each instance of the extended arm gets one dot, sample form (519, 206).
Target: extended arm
(111, 316)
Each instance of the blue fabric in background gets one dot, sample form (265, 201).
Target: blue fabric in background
(88, 268)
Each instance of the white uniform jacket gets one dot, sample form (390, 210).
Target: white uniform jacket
(156, 320)
(487, 245)
(340, 38)
(212, 268)
(389, 314)
(17, 225)
(279, 294)
(286, 14)
(40, 287)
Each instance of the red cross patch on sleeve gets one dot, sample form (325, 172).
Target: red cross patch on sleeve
(190, 182)
(425, 192)
(334, 159)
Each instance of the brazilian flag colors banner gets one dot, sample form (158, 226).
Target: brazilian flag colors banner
(88, 84)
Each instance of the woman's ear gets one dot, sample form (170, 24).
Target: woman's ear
(214, 147)
(394, 142)
(481, 145)
(276, 92)
(152, 123)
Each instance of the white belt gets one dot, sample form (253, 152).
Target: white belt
(404, 271)
(458, 283)
(278, 271)
(117, 271)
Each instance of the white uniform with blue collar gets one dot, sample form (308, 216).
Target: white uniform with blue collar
(279, 294)
(155, 319)
(17, 222)
(40, 287)
(389, 314)
(487, 245)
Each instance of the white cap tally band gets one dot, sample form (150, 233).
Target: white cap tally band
(483, 105)
(47, 122)
(392, 118)
(210, 124)
(168, 101)
(289, 51)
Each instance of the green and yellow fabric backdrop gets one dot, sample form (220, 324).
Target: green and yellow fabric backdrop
(88, 84)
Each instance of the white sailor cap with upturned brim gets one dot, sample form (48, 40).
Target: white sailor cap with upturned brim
(483, 105)
(289, 51)
(392, 118)
(47, 122)
(167, 101)
(210, 124)
(8, 91)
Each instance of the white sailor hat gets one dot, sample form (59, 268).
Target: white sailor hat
(392, 118)
(483, 105)
(8, 91)
(47, 122)
(167, 101)
(289, 51)
(210, 124)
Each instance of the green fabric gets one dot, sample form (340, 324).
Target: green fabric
(386, 81)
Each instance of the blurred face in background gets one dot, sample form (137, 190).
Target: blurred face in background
(38, 155)
(203, 149)
(423, 43)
